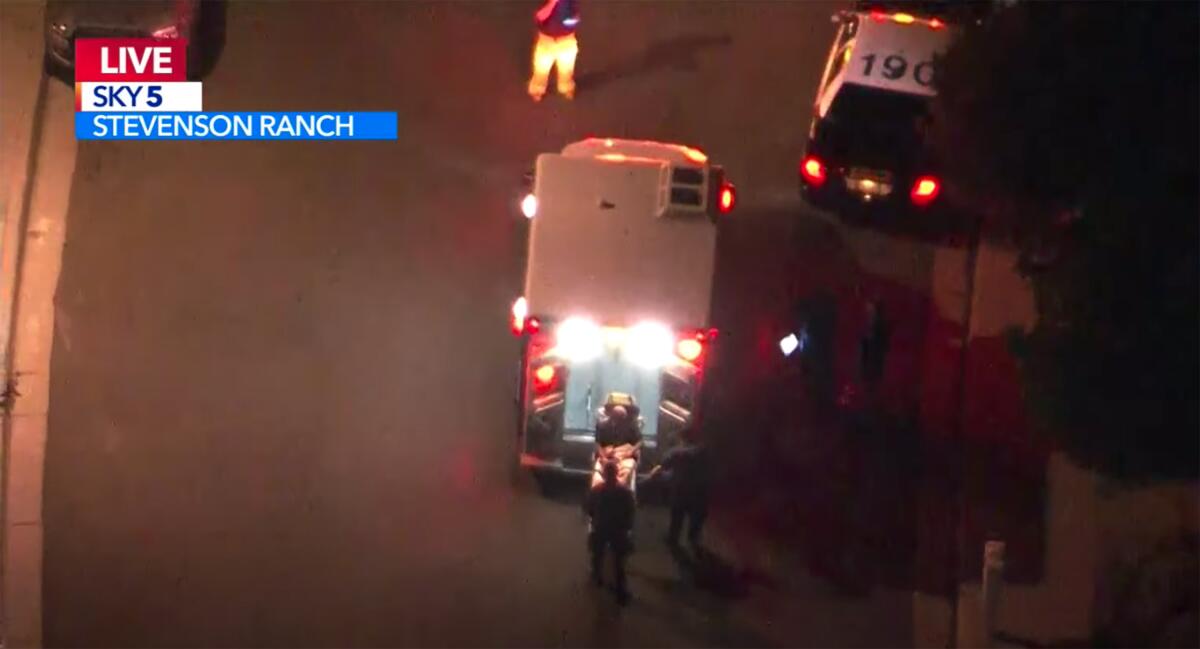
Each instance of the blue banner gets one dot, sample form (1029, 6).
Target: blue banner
(235, 126)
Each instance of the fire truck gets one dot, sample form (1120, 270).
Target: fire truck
(618, 283)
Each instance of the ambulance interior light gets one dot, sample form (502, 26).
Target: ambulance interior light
(650, 345)
(579, 340)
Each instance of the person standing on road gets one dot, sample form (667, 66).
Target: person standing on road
(689, 477)
(555, 47)
(611, 509)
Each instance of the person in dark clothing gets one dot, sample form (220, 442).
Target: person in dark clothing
(610, 508)
(689, 476)
(556, 46)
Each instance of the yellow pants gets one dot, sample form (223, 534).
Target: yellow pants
(548, 52)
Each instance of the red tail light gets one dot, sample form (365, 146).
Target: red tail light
(925, 189)
(934, 23)
(878, 16)
(727, 198)
(543, 377)
(692, 345)
(813, 170)
(689, 349)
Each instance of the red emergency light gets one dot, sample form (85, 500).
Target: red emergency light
(543, 378)
(902, 18)
(520, 312)
(727, 198)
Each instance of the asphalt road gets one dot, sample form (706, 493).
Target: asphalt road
(282, 379)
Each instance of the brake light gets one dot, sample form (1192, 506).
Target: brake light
(520, 311)
(878, 16)
(543, 377)
(529, 206)
(934, 23)
(925, 189)
(813, 170)
(727, 198)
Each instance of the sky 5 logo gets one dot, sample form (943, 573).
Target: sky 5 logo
(126, 96)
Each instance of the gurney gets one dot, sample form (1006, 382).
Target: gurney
(626, 456)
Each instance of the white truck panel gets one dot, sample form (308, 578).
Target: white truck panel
(599, 247)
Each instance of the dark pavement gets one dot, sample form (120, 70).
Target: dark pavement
(282, 379)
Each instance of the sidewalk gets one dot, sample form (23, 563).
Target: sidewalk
(21, 96)
(37, 152)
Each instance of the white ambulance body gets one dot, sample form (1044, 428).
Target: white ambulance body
(618, 287)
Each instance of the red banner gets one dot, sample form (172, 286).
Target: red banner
(130, 59)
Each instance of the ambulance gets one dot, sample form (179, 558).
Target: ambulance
(617, 290)
(866, 143)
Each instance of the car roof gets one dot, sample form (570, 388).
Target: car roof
(914, 42)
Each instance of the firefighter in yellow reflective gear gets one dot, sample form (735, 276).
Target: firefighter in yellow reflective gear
(555, 47)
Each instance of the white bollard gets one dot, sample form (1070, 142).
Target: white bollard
(993, 582)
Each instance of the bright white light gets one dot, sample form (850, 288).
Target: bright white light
(789, 344)
(579, 340)
(529, 206)
(650, 345)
